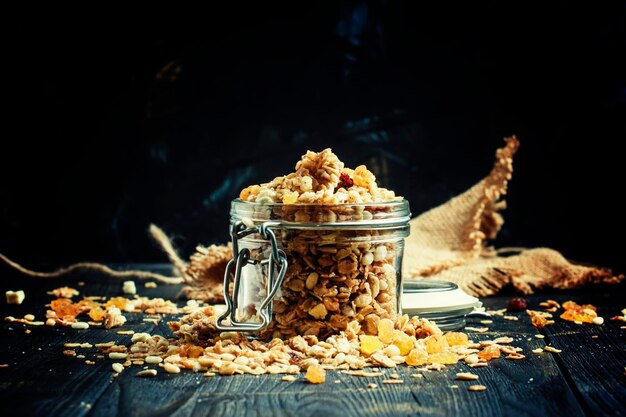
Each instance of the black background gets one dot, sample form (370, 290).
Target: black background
(109, 126)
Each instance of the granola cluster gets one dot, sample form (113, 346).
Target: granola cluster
(320, 178)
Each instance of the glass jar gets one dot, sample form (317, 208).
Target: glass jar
(311, 269)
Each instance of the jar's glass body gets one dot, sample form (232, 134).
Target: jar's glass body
(344, 264)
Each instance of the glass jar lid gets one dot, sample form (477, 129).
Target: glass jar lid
(440, 301)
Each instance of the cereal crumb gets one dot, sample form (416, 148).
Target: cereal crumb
(29, 317)
(393, 381)
(537, 351)
(64, 292)
(512, 318)
(117, 367)
(288, 378)
(477, 329)
(552, 349)
(477, 388)
(371, 385)
(478, 365)
(466, 376)
(539, 336)
(598, 320)
(515, 356)
(80, 325)
(150, 284)
(117, 355)
(170, 368)
(363, 373)
(147, 373)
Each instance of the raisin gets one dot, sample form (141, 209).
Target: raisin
(345, 181)
(517, 304)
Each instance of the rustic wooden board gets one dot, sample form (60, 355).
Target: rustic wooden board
(43, 382)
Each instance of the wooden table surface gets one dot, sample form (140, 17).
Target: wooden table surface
(586, 379)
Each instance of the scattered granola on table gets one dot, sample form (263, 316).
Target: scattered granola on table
(200, 347)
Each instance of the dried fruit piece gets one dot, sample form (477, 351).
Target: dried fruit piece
(489, 352)
(404, 342)
(539, 322)
(385, 330)
(435, 344)
(97, 314)
(417, 357)
(444, 358)
(119, 302)
(456, 338)
(315, 374)
(517, 304)
(345, 181)
(583, 313)
(64, 308)
(15, 297)
(370, 344)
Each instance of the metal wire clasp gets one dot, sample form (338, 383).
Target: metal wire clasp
(276, 267)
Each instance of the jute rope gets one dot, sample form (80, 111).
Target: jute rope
(160, 238)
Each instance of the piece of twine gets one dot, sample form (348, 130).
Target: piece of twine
(159, 237)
